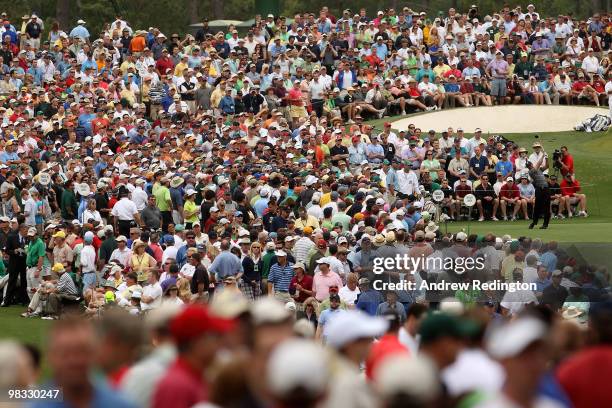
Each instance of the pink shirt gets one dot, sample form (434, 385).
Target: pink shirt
(321, 284)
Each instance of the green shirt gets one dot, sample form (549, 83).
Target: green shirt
(68, 205)
(266, 263)
(162, 198)
(35, 250)
(190, 206)
(343, 219)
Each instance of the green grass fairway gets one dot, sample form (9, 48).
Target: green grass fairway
(26, 330)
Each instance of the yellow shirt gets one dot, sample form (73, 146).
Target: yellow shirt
(126, 65)
(178, 70)
(325, 199)
(440, 70)
(139, 264)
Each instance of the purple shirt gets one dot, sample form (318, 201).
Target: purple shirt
(498, 66)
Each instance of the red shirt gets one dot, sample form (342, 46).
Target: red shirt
(568, 189)
(306, 284)
(163, 64)
(568, 160)
(388, 345)
(509, 192)
(585, 377)
(181, 387)
(579, 86)
(97, 123)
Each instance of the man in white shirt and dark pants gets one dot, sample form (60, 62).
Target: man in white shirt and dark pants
(125, 214)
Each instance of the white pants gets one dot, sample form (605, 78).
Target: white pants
(176, 217)
(32, 281)
(4, 285)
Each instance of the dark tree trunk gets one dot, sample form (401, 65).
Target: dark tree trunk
(192, 9)
(218, 9)
(62, 11)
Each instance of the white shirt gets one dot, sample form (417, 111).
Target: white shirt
(473, 370)
(30, 212)
(125, 209)
(408, 182)
(533, 158)
(515, 301)
(590, 64)
(530, 274)
(348, 296)
(155, 291)
(88, 259)
(121, 256)
(139, 197)
(317, 88)
(411, 343)
(609, 92)
(169, 252)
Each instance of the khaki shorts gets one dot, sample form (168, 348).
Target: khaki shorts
(282, 296)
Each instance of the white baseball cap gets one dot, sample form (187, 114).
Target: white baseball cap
(512, 338)
(352, 325)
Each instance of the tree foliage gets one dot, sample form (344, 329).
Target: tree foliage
(176, 15)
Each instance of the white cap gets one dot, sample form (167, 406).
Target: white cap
(411, 375)
(352, 325)
(512, 338)
(268, 310)
(298, 363)
(461, 236)
(280, 253)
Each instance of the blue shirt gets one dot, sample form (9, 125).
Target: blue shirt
(382, 51)
(326, 316)
(392, 179)
(541, 284)
(281, 276)
(79, 31)
(448, 87)
(368, 301)
(85, 121)
(386, 307)
(260, 206)
(376, 149)
(6, 157)
(503, 167)
(227, 105)
(549, 260)
(225, 264)
(478, 164)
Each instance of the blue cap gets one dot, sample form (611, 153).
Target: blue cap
(168, 239)
(238, 214)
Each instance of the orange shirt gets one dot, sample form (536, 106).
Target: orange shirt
(137, 44)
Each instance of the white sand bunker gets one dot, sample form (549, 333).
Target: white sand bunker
(503, 119)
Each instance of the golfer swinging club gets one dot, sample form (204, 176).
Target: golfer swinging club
(541, 206)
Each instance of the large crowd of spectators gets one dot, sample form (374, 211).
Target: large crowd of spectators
(202, 201)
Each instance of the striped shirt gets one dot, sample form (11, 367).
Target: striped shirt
(281, 276)
(65, 285)
(301, 249)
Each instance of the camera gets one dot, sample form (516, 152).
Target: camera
(557, 159)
